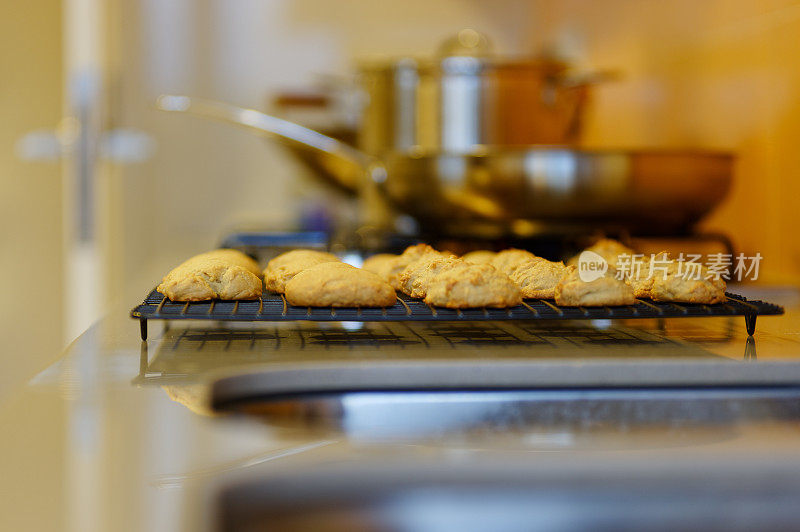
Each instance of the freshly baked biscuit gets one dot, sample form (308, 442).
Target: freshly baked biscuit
(482, 256)
(607, 248)
(538, 278)
(416, 277)
(465, 285)
(508, 259)
(572, 291)
(282, 268)
(642, 275)
(681, 284)
(380, 264)
(202, 278)
(235, 257)
(336, 284)
(408, 256)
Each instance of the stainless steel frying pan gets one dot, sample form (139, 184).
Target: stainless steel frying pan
(508, 189)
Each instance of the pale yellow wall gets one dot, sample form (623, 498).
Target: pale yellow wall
(710, 73)
(30, 193)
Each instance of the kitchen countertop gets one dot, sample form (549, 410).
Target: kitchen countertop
(118, 435)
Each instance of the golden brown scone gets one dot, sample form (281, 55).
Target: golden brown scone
(286, 265)
(682, 285)
(571, 291)
(380, 264)
(201, 278)
(235, 257)
(408, 256)
(641, 285)
(416, 277)
(508, 259)
(482, 256)
(538, 277)
(641, 277)
(336, 284)
(608, 249)
(466, 285)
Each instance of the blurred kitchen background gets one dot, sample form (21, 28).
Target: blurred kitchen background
(102, 192)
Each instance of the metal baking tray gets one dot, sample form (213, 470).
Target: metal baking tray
(274, 307)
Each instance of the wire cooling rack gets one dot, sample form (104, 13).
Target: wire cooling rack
(274, 307)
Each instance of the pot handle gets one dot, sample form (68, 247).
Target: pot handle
(282, 130)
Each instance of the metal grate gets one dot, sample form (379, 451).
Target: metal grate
(273, 307)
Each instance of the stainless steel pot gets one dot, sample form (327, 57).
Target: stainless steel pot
(467, 96)
(495, 190)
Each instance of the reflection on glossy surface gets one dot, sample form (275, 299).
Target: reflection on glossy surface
(750, 349)
(187, 354)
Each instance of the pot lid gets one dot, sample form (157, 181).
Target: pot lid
(466, 52)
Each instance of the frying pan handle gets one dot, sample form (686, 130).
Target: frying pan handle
(283, 130)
